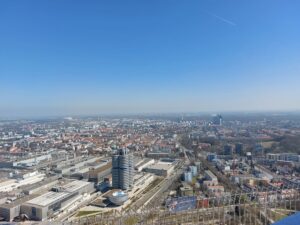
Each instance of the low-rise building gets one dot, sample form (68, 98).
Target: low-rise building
(12, 208)
(160, 168)
(146, 162)
(210, 176)
(44, 206)
(186, 190)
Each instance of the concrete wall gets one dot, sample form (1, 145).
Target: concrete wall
(41, 213)
(9, 213)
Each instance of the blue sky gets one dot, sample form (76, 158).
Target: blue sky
(87, 57)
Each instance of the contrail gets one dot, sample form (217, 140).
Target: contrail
(223, 19)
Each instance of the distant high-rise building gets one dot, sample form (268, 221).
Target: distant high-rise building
(217, 120)
(193, 169)
(228, 150)
(239, 148)
(258, 149)
(198, 165)
(188, 176)
(285, 157)
(249, 156)
(122, 170)
(211, 157)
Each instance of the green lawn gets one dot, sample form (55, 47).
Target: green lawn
(85, 213)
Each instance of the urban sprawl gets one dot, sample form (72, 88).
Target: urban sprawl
(162, 169)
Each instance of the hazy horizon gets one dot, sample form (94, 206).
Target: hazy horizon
(225, 114)
(62, 58)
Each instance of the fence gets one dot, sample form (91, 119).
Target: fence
(261, 207)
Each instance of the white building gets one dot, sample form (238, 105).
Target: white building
(160, 168)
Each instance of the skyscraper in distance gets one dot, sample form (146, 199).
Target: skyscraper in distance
(217, 120)
(122, 169)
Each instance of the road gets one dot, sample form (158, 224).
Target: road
(68, 214)
(158, 190)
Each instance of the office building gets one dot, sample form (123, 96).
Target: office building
(122, 170)
(217, 120)
(239, 148)
(194, 171)
(188, 176)
(211, 157)
(228, 150)
(284, 157)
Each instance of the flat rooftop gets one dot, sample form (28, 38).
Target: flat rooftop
(40, 184)
(19, 201)
(101, 169)
(48, 198)
(210, 174)
(143, 162)
(161, 166)
(51, 197)
(75, 185)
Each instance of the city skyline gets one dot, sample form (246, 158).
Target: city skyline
(72, 58)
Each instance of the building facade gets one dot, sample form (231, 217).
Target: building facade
(122, 170)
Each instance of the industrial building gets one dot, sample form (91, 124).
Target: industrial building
(27, 162)
(20, 179)
(159, 153)
(97, 175)
(12, 209)
(44, 206)
(78, 165)
(39, 186)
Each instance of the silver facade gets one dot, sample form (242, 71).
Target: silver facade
(122, 170)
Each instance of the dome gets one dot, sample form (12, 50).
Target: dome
(118, 194)
(118, 197)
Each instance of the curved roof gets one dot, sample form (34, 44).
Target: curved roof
(118, 194)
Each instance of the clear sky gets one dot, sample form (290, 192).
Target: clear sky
(61, 57)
